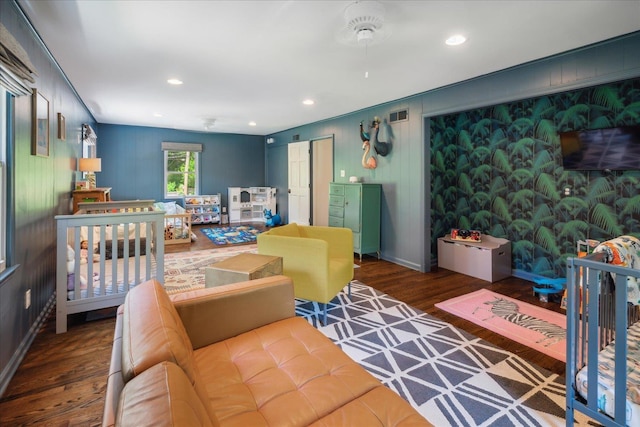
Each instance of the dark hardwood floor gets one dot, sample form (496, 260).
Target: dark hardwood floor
(62, 380)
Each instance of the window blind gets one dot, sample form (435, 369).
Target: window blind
(16, 68)
(181, 146)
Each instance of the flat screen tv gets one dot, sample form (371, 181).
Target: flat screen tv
(601, 149)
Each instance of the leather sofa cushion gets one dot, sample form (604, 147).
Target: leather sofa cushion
(233, 309)
(285, 374)
(153, 332)
(162, 396)
(379, 407)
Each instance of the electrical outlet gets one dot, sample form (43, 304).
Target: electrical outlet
(342, 173)
(27, 299)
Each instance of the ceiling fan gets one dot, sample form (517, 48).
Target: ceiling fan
(364, 24)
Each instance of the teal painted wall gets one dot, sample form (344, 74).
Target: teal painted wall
(42, 189)
(407, 232)
(404, 235)
(499, 170)
(132, 160)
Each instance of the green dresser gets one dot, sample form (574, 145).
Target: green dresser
(357, 206)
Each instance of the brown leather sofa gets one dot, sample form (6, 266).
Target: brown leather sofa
(236, 355)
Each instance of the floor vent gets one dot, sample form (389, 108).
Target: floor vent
(399, 116)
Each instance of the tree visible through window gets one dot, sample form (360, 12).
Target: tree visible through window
(181, 173)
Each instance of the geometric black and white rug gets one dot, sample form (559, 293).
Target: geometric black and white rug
(451, 377)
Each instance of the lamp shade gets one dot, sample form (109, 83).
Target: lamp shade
(90, 164)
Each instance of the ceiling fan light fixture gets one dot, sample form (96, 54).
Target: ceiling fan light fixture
(364, 24)
(365, 35)
(364, 15)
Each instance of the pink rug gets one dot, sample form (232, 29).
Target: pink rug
(535, 327)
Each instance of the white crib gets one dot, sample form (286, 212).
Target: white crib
(603, 338)
(125, 247)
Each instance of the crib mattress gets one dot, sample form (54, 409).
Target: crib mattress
(606, 380)
(109, 287)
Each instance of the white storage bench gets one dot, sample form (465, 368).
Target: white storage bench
(488, 260)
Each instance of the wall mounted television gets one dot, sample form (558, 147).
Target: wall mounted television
(605, 149)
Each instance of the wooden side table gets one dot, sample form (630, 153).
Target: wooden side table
(92, 195)
(241, 268)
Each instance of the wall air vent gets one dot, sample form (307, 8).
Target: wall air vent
(296, 137)
(399, 116)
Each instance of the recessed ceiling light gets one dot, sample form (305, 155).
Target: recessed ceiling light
(252, 124)
(308, 102)
(456, 40)
(157, 115)
(174, 81)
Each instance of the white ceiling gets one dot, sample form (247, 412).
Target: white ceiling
(245, 61)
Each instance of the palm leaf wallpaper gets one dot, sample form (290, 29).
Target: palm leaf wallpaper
(499, 170)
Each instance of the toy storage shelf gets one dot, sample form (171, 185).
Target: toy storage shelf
(204, 209)
(488, 260)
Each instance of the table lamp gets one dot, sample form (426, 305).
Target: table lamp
(90, 165)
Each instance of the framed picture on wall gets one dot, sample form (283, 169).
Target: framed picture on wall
(62, 127)
(40, 125)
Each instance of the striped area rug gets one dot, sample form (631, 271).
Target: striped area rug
(451, 377)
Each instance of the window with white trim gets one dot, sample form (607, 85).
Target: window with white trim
(181, 169)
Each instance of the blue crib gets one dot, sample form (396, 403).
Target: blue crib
(603, 335)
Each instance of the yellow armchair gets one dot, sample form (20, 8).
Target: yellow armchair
(319, 260)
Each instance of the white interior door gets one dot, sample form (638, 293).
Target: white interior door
(322, 160)
(299, 191)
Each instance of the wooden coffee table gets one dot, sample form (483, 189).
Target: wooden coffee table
(242, 267)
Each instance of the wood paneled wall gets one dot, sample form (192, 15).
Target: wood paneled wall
(42, 190)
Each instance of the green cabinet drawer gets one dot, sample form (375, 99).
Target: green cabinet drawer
(336, 221)
(336, 211)
(357, 207)
(337, 189)
(336, 200)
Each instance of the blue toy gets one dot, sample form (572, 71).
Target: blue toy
(272, 220)
(546, 286)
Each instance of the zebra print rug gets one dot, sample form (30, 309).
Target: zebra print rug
(533, 326)
(451, 377)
